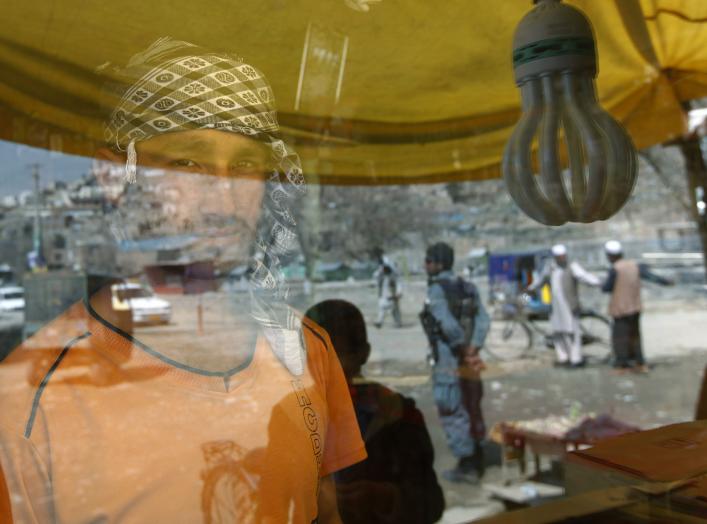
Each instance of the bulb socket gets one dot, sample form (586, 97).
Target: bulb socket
(553, 37)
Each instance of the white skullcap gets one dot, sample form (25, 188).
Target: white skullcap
(559, 250)
(613, 247)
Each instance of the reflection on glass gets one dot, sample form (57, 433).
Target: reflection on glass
(159, 375)
(160, 391)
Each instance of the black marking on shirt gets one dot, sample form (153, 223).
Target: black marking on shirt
(45, 381)
(165, 358)
(314, 332)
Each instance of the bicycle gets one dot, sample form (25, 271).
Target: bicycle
(515, 324)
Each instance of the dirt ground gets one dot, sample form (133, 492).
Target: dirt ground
(674, 325)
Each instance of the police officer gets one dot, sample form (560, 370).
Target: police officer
(456, 324)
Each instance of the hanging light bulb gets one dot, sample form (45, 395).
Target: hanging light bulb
(554, 61)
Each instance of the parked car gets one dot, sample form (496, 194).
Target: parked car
(7, 276)
(145, 306)
(12, 298)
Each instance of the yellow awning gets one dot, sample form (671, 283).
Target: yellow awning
(426, 91)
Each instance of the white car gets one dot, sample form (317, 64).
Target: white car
(145, 306)
(12, 298)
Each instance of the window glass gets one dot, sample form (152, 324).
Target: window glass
(368, 261)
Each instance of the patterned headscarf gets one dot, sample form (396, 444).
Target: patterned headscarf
(177, 86)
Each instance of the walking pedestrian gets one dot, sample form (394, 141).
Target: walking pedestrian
(389, 294)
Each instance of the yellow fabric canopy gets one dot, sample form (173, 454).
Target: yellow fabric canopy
(410, 91)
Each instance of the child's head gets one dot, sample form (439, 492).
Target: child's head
(347, 329)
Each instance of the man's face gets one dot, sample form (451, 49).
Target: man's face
(561, 260)
(205, 183)
(432, 267)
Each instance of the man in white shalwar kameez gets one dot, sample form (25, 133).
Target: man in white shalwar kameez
(389, 293)
(563, 278)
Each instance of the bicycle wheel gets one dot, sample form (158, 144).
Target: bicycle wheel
(540, 329)
(508, 339)
(596, 337)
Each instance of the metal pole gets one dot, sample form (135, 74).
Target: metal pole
(37, 236)
(200, 315)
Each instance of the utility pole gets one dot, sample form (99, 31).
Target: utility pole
(37, 230)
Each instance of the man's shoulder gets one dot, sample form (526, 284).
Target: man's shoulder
(436, 292)
(443, 279)
(456, 284)
(44, 378)
(27, 370)
(315, 336)
(49, 341)
(468, 286)
(626, 265)
(318, 346)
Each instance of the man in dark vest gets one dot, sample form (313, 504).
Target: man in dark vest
(624, 284)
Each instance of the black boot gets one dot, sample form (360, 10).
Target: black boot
(478, 459)
(466, 471)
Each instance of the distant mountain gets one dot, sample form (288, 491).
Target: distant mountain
(16, 175)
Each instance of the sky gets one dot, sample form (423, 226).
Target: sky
(16, 175)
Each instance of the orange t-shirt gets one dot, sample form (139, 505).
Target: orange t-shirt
(100, 428)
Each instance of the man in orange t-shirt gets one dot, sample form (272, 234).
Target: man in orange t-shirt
(114, 430)
(242, 418)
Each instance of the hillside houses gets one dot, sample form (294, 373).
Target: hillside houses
(74, 230)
